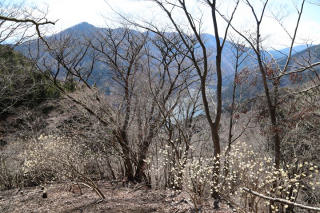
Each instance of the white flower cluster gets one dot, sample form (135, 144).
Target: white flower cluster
(241, 167)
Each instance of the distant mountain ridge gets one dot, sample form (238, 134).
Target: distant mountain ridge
(277, 54)
(99, 74)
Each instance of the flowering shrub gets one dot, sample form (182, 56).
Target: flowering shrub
(54, 154)
(243, 167)
(62, 157)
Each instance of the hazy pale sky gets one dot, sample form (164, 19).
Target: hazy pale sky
(98, 13)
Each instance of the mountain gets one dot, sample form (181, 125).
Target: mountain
(87, 30)
(83, 27)
(311, 53)
(79, 32)
(278, 54)
(227, 53)
(101, 75)
(303, 58)
(21, 85)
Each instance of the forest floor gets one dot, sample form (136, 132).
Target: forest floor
(135, 199)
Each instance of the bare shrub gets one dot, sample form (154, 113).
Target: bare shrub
(11, 172)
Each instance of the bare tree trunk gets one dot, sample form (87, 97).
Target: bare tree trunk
(143, 151)
(272, 114)
(123, 141)
(141, 165)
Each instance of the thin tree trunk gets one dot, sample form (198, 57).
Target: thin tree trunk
(123, 141)
(143, 151)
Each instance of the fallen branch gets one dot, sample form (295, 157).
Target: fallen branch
(280, 200)
(94, 188)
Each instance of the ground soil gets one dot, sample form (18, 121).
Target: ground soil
(68, 198)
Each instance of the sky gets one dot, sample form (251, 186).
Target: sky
(101, 13)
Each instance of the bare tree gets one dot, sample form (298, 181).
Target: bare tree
(272, 73)
(200, 60)
(240, 56)
(268, 71)
(16, 22)
(141, 85)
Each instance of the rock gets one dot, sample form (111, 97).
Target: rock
(3, 142)
(44, 195)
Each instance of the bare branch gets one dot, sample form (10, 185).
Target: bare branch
(293, 39)
(32, 21)
(280, 200)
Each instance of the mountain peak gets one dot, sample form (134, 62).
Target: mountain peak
(82, 26)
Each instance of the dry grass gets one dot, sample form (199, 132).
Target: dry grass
(119, 199)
